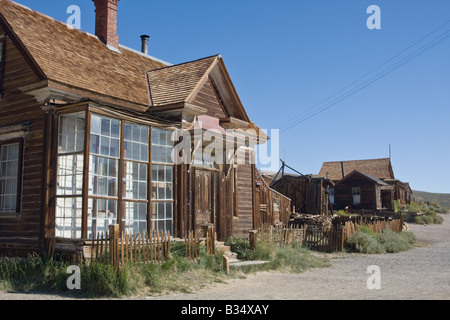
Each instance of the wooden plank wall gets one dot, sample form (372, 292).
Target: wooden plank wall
(307, 196)
(18, 71)
(22, 233)
(271, 207)
(208, 98)
(243, 222)
(343, 193)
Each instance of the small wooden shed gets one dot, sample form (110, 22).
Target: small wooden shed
(363, 191)
(308, 194)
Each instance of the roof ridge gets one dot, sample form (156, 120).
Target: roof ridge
(89, 34)
(144, 55)
(356, 160)
(183, 63)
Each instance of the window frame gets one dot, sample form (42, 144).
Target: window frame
(59, 153)
(356, 191)
(126, 201)
(156, 200)
(121, 198)
(18, 141)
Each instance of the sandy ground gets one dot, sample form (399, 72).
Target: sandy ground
(422, 273)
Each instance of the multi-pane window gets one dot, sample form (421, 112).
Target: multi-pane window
(162, 180)
(9, 177)
(120, 165)
(103, 173)
(135, 176)
(68, 216)
(356, 195)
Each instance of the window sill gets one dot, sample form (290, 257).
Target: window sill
(17, 215)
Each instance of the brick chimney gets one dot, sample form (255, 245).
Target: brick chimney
(106, 21)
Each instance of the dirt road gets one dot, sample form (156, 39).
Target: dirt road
(420, 273)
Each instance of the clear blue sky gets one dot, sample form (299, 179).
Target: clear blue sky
(287, 56)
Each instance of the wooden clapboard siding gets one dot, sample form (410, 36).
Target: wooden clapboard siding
(18, 71)
(208, 98)
(21, 233)
(343, 195)
(307, 194)
(244, 196)
(27, 225)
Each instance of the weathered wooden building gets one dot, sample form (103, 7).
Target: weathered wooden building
(379, 169)
(337, 170)
(362, 191)
(402, 191)
(308, 194)
(86, 129)
(273, 206)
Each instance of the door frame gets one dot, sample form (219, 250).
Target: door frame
(213, 194)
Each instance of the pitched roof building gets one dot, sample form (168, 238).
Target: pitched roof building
(376, 172)
(379, 168)
(86, 128)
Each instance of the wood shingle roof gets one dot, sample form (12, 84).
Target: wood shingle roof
(174, 84)
(378, 168)
(80, 60)
(74, 63)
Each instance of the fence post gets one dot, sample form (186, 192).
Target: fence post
(253, 239)
(114, 245)
(226, 264)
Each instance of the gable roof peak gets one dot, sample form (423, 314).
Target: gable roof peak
(380, 168)
(77, 60)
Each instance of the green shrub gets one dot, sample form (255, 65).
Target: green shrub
(394, 242)
(396, 205)
(368, 231)
(438, 220)
(427, 219)
(387, 241)
(241, 247)
(429, 213)
(343, 213)
(418, 220)
(363, 242)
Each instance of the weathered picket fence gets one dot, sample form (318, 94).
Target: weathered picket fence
(121, 249)
(322, 238)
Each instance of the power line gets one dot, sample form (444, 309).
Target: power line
(365, 84)
(309, 113)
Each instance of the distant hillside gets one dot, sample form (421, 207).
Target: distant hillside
(442, 198)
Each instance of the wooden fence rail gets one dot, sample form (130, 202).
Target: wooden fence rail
(128, 248)
(119, 250)
(322, 238)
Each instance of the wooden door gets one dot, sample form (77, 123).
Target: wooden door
(203, 189)
(386, 199)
